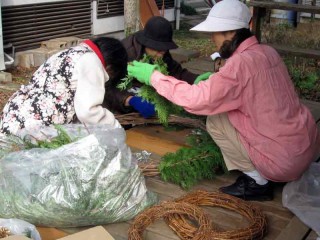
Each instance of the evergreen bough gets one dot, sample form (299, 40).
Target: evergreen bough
(189, 165)
(61, 139)
(162, 106)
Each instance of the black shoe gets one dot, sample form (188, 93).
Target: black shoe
(246, 188)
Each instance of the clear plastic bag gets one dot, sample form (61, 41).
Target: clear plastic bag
(302, 197)
(91, 181)
(20, 227)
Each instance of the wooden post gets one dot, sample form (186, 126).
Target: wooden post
(256, 21)
(313, 3)
(299, 13)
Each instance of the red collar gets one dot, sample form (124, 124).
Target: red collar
(96, 50)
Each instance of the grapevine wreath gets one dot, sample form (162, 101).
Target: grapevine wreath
(181, 213)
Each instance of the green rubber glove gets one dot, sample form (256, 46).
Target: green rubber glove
(141, 71)
(201, 77)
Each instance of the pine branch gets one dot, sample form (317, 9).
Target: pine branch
(61, 139)
(189, 165)
(163, 107)
(126, 83)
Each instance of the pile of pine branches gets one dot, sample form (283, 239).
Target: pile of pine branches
(187, 166)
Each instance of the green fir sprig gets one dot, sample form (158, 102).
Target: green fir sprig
(11, 143)
(163, 107)
(126, 82)
(203, 160)
(61, 139)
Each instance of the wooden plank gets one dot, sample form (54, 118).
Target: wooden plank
(159, 230)
(47, 233)
(285, 6)
(178, 136)
(258, 13)
(119, 231)
(295, 230)
(151, 143)
(300, 52)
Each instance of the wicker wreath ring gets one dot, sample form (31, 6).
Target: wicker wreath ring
(185, 230)
(165, 209)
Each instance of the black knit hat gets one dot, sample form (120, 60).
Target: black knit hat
(157, 34)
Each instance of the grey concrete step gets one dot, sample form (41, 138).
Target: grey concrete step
(5, 77)
(10, 86)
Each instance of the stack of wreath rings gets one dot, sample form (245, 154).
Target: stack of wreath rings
(185, 217)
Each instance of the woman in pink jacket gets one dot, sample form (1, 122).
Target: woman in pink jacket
(254, 113)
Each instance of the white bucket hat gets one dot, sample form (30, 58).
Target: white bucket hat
(226, 15)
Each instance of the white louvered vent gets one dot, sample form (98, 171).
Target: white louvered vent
(167, 4)
(26, 26)
(111, 8)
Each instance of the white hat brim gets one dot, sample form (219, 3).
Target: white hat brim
(212, 24)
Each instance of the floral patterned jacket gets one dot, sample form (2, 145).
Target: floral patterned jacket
(68, 87)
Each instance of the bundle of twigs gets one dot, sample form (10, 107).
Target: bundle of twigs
(4, 232)
(184, 229)
(149, 168)
(136, 119)
(165, 209)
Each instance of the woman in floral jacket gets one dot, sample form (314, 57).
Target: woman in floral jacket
(68, 87)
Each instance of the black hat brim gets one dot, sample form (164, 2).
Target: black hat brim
(153, 44)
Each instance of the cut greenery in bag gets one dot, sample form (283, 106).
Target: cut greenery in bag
(90, 181)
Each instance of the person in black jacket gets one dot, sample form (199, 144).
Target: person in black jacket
(154, 40)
